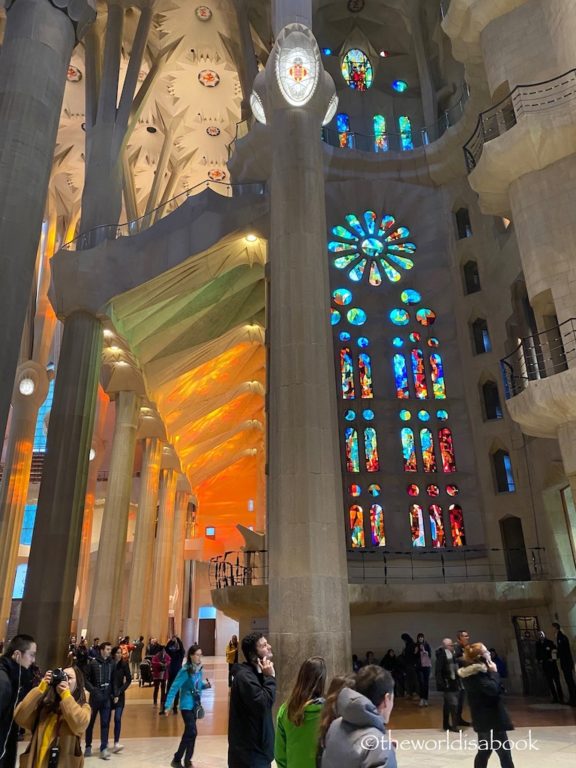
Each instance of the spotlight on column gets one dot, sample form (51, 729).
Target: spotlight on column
(107, 333)
(251, 238)
(26, 386)
(92, 454)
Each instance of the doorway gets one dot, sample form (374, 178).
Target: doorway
(207, 636)
(515, 558)
(526, 629)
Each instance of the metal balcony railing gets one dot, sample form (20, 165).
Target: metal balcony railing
(523, 100)
(239, 569)
(539, 356)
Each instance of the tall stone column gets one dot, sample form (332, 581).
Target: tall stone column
(140, 581)
(48, 600)
(36, 51)
(179, 541)
(308, 583)
(158, 616)
(108, 578)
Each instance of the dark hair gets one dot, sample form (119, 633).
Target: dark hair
(115, 650)
(104, 644)
(406, 637)
(374, 683)
(249, 644)
(191, 651)
(51, 700)
(329, 713)
(20, 643)
(556, 625)
(309, 686)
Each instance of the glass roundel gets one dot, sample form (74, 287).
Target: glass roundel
(344, 336)
(357, 70)
(432, 490)
(400, 86)
(397, 341)
(426, 317)
(342, 296)
(368, 414)
(414, 337)
(412, 489)
(410, 296)
(423, 415)
(452, 490)
(354, 489)
(372, 247)
(433, 342)
(350, 415)
(374, 489)
(399, 317)
(334, 316)
(442, 415)
(363, 342)
(405, 415)
(356, 316)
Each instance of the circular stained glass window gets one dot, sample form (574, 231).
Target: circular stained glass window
(432, 490)
(354, 489)
(356, 316)
(350, 415)
(410, 297)
(400, 86)
(414, 337)
(344, 336)
(442, 415)
(368, 414)
(433, 342)
(357, 70)
(405, 415)
(412, 489)
(423, 415)
(374, 489)
(399, 317)
(426, 316)
(452, 490)
(397, 341)
(363, 342)
(342, 296)
(334, 316)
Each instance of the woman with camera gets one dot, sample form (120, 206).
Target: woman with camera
(57, 714)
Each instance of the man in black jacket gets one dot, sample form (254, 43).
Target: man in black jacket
(566, 662)
(250, 727)
(19, 655)
(447, 682)
(100, 684)
(462, 641)
(546, 655)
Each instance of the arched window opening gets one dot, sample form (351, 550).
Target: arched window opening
(378, 536)
(352, 455)
(418, 374)
(471, 277)
(380, 137)
(365, 370)
(401, 378)
(408, 451)
(371, 450)
(447, 450)
(491, 401)
(428, 456)
(347, 373)
(343, 128)
(457, 525)
(503, 473)
(417, 526)
(463, 225)
(357, 526)
(437, 376)
(480, 336)
(405, 128)
(437, 533)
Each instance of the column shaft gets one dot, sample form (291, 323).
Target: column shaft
(163, 557)
(177, 574)
(291, 11)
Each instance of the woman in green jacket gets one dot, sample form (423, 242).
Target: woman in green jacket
(296, 743)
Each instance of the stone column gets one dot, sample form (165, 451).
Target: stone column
(179, 541)
(108, 578)
(158, 615)
(308, 581)
(290, 11)
(140, 581)
(36, 51)
(48, 600)
(427, 89)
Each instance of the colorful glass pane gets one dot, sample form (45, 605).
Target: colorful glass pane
(423, 415)
(363, 342)
(374, 489)
(414, 337)
(433, 342)
(405, 415)
(375, 277)
(397, 341)
(352, 454)
(350, 415)
(357, 70)
(436, 526)
(457, 526)
(433, 490)
(408, 450)
(400, 233)
(387, 224)
(354, 489)
(427, 445)
(356, 316)
(405, 127)
(344, 336)
(426, 317)
(343, 128)
(353, 221)
(412, 490)
(334, 316)
(357, 526)
(357, 272)
(370, 222)
(399, 317)
(437, 376)
(400, 86)
(442, 415)
(368, 414)
(452, 490)
(377, 526)
(410, 297)
(344, 234)
(342, 296)
(418, 374)
(365, 370)
(347, 374)
(371, 450)
(446, 450)
(417, 526)
(401, 378)
(380, 138)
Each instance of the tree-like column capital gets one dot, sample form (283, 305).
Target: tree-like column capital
(81, 13)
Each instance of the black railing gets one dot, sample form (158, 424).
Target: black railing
(539, 356)
(239, 569)
(523, 100)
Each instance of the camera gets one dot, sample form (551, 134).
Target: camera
(58, 676)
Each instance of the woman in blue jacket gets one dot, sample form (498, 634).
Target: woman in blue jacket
(189, 684)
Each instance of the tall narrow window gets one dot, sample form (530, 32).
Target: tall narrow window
(480, 336)
(471, 277)
(417, 526)
(446, 450)
(401, 377)
(380, 137)
(503, 472)
(405, 128)
(457, 525)
(343, 128)
(357, 526)
(463, 225)
(365, 369)
(427, 444)
(377, 526)
(347, 371)
(437, 526)
(352, 454)
(408, 451)
(418, 374)
(437, 376)
(491, 401)
(371, 450)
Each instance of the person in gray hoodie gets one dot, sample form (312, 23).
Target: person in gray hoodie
(358, 738)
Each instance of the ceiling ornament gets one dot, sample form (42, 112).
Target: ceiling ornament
(74, 75)
(203, 13)
(297, 64)
(208, 78)
(216, 174)
(213, 130)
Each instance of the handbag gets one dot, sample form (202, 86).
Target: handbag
(200, 711)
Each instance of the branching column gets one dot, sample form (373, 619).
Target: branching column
(158, 618)
(177, 572)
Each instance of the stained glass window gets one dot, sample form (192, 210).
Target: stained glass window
(347, 374)
(397, 341)
(350, 415)
(368, 414)
(418, 374)
(433, 490)
(414, 337)
(437, 376)
(380, 138)
(365, 370)
(405, 127)
(442, 415)
(354, 489)
(452, 490)
(343, 128)
(374, 489)
(437, 526)
(356, 316)
(363, 342)
(401, 377)
(457, 526)
(342, 296)
(428, 457)
(405, 415)
(417, 526)
(423, 415)
(426, 317)
(371, 450)
(377, 526)
(410, 296)
(408, 450)
(344, 336)
(357, 70)
(433, 342)
(334, 316)
(352, 455)
(446, 450)
(412, 490)
(357, 526)
(400, 86)
(399, 317)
